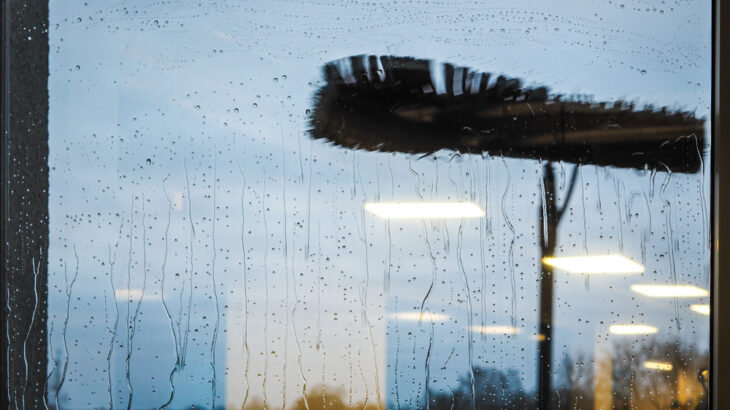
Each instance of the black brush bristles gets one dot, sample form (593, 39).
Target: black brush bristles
(393, 104)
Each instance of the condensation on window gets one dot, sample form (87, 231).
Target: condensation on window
(209, 249)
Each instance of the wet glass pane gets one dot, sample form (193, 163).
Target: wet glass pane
(399, 204)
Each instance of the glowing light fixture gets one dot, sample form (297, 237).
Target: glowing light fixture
(417, 316)
(495, 330)
(670, 291)
(654, 365)
(424, 210)
(594, 264)
(633, 329)
(701, 309)
(126, 294)
(135, 294)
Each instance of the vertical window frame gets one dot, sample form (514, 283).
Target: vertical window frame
(720, 281)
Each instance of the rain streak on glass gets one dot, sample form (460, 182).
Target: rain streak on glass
(378, 205)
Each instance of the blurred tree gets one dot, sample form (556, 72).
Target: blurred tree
(638, 387)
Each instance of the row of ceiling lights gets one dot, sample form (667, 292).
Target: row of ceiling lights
(598, 264)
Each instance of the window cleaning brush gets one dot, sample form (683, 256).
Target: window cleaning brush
(417, 106)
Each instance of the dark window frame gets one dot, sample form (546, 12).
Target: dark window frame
(24, 202)
(720, 279)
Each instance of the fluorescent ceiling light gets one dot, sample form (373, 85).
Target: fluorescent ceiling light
(126, 294)
(670, 291)
(418, 316)
(495, 330)
(632, 329)
(424, 210)
(134, 294)
(594, 264)
(177, 201)
(654, 365)
(701, 309)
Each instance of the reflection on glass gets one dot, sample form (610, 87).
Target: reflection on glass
(670, 291)
(125, 294)
(655, 365)
(594, 264)
(424, 210)
(702, 309)
(633, 329)
(496, 330)
(418, 316)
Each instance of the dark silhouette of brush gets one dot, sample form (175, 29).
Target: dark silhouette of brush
(391, 104)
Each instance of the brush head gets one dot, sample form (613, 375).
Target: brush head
(408, 105)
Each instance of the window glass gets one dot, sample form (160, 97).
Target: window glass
(237, 211)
